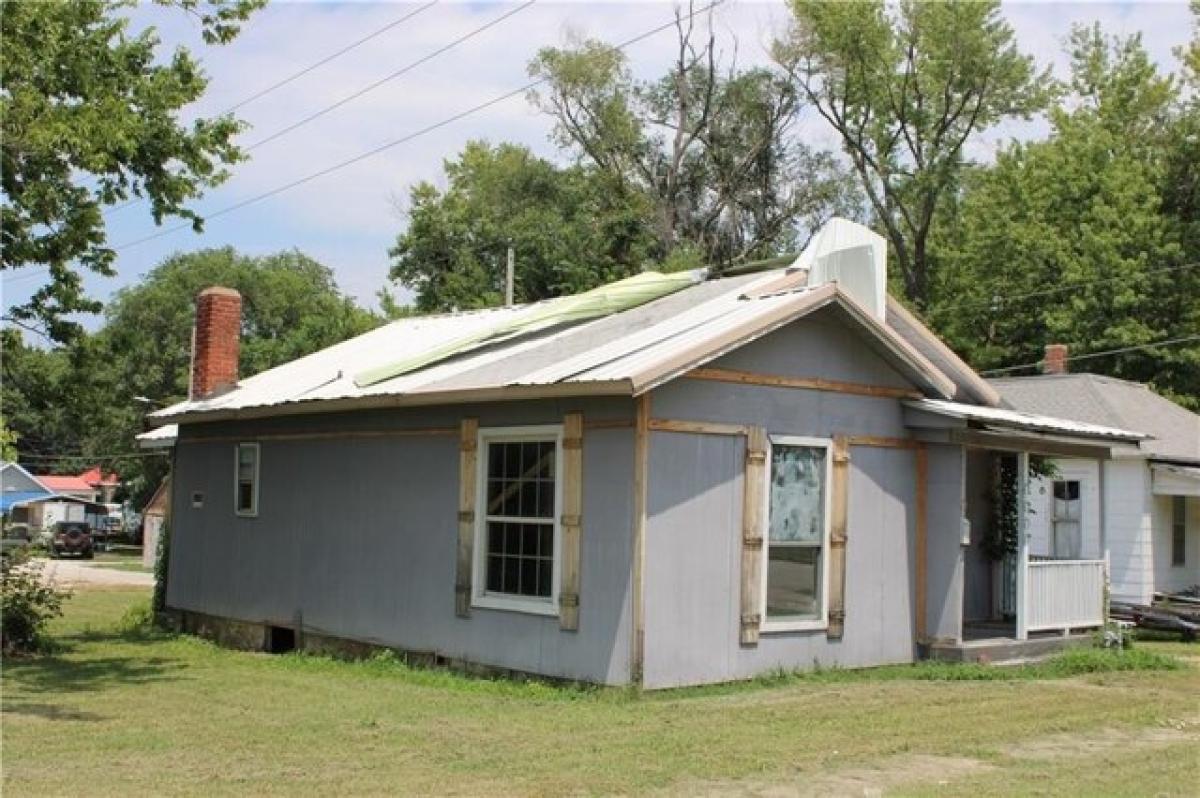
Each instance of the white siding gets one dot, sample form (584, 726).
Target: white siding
(1175, 577)
(1128, 518)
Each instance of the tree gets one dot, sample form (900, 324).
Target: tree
(906, 87)
(90, 119)
(1069, 240)
(709, 145)
(81, 400)
(571, 229)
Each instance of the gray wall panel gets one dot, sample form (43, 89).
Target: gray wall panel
(944, 602)
(359, 535)
(693, 561)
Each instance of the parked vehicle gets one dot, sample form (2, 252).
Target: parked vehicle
(71, 537)
(16, 536)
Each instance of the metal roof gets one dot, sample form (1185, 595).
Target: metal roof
(159, 438)
(626, 353)
(1029, 422)
(1097, 399)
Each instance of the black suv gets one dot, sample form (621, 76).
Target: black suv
(72, 537)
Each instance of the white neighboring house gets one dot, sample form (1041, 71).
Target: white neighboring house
(1150, 521)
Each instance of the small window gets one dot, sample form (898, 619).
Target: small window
(517, 534)
(246, 480)
(1178, 530)
(797, 534)
(1067, 527)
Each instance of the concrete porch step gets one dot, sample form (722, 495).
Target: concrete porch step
(1003, 649)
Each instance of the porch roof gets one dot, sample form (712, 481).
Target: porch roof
(1170, 479)
(993, 427)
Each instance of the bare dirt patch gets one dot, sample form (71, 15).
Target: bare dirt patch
(926, 769)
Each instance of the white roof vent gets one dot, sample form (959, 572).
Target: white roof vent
(854, 257)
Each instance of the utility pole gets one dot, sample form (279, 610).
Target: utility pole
(510, 274)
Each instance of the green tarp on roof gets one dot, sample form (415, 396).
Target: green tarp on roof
(596, 303)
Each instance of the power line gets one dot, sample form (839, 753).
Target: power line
(385, 79)
(358, 43)
(1091, 355)
(396, 142)
(297, 75)
(1063, 288)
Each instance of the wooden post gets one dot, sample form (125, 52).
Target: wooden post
(468, 446)
(1022, 547)
(839, 511)
(754, 485)
(922, 569)
(572, 521)
(641, 451)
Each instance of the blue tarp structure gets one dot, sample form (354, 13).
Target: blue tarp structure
(8, 499)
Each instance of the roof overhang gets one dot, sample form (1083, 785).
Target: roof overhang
(1169, 479)
(882, 338)
(1009, 430)
(505, 393)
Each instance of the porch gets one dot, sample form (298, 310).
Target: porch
(1027, 574)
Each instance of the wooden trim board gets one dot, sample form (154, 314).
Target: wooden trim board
(803, 383)
(641, 451)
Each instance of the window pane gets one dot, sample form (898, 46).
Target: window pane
(520, 558)
(245, 498)
(793, 581)
(797, 500)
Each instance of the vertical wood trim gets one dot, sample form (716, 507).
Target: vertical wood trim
(922, 554)
(839, 514)
(641, 451)
(468, 447)
(1022, 547)
(572, 521)
(754, 484)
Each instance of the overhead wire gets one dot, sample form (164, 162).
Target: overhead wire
(306, 70)
(424, 131)
(1090, 355)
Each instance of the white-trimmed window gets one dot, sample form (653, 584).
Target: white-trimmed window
(517, 534)
(796, 543)
(245, 480)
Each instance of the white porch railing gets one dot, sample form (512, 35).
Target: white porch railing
(1064, 594)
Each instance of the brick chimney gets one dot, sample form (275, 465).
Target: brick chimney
(1055, 361)
(216, 339)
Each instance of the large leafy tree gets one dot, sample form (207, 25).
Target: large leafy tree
(709, 145)
(906, 86)
(570, 228)
(1072, 239)
(85, 398)
(90, 119)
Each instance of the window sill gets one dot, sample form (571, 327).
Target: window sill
(512, 604)
(241, 514)
(775, 627)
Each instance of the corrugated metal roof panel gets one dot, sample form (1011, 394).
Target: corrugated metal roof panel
(1012, 419)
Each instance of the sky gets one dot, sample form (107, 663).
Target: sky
(349, 218)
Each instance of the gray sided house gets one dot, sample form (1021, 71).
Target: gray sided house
(671, 480)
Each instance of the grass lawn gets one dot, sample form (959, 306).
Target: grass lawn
(127, 713)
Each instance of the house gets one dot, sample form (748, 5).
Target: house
(17, 488)
(1144, 506)
(673, 479)
(66, 485)
(104, 484)
(26, 499)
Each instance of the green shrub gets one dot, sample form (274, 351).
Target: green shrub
(162, 559)
(137, 620)
(27, 603)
